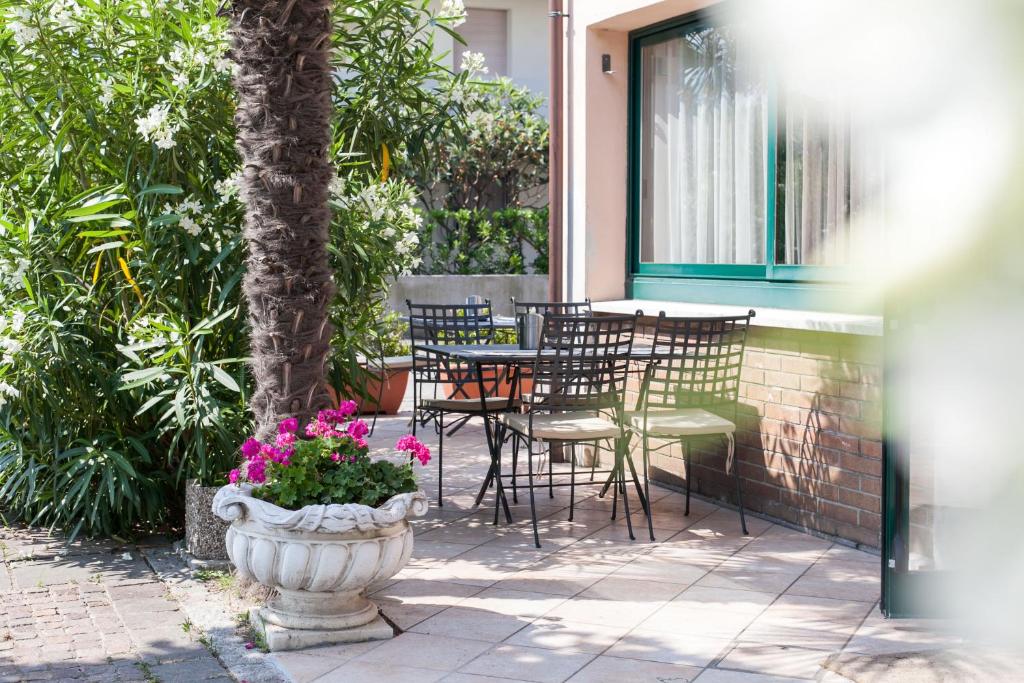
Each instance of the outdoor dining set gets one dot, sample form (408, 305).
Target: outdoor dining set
(567, 379)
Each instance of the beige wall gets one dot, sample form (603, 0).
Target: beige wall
(596, 140)
(528, 40)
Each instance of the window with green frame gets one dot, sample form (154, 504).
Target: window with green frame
(742, 190)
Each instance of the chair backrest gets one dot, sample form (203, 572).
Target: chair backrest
(449, 324)
(697, 362)
(557, 307)
(582, 363)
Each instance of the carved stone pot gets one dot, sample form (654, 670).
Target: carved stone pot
(320, 560)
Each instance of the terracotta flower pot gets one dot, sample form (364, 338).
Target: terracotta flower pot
(470, 388)
(395, 383)
(320, 560)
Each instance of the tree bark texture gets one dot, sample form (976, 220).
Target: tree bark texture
(283, 125)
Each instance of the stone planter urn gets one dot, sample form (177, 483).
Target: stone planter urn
(320, 560)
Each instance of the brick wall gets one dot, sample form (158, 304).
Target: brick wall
(808, 440)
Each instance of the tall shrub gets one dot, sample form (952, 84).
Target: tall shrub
(123, 343)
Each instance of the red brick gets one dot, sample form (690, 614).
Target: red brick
(800, 399)
(840, 442)
(870, 521)
(856, 463)
(777, 411)
(841, 406)
(839, 370)
(761, 360)
(752, 375)
(864, 429)
(860, 500)
(785, 380)
(872, 485)
(857, 391)
(871, 449)
(840, 513)
(800, 366)
(859, 534)
(871, 374)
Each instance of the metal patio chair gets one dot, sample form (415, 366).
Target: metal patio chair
(519, 308)
(450, 324)
(579, 376)
(690, 389)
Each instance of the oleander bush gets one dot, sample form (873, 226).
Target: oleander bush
(123, 340)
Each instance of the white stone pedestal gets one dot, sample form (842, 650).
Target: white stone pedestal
(280, 638)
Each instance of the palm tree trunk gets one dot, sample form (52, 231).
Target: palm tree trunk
(284, 132)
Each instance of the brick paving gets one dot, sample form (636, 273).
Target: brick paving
(92, 612)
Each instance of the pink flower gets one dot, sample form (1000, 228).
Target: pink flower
(285, 439)
(347, 408)
(233, 476)
(249, 646)
(255, 471)
(251, 447)
(335, 457)
(414, 447)
(288, 425)
(358, 428)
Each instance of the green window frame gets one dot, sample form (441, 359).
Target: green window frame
(771, 284)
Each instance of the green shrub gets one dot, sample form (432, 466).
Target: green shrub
(486, 193)
(472, 241)
(123, 340)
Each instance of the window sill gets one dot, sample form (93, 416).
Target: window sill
(841, 323)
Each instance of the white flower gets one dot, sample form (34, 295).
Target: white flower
(180, 80)
(6, 390)
(106, 92)
(453, 11)
(228, 188)
(223, 65)
(155, 126)
(388, 232)
(189, 225)
(18, 21)
(10, 347)
(17, 320)
(473, 62)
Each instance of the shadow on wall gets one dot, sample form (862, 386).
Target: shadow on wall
(816, 465)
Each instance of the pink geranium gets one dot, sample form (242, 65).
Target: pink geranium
(325, 460)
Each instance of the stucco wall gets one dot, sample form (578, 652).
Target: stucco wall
(597, 137)
(527, 41)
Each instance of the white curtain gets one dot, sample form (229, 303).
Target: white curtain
(703, 160)
(834, 183)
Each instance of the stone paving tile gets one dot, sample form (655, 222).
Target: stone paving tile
(528, 663)
(93, 616)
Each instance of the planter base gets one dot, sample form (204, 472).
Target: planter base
(279, 638)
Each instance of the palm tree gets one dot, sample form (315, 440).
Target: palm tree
(284, 131)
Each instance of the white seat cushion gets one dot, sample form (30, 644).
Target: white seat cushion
(682, 422)
(468, 405)
(563, 426)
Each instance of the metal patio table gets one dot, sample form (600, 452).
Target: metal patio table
(511, 357)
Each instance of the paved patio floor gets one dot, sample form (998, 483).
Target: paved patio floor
(703, 602)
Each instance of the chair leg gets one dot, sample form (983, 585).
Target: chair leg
(533, 504)
(730, 462)
(647, 487)
(572, 482)
(688, 471)
(515, 463)
(440, 459)
(636, 481)
(593, 465)
(551, 477)
(620, 456)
